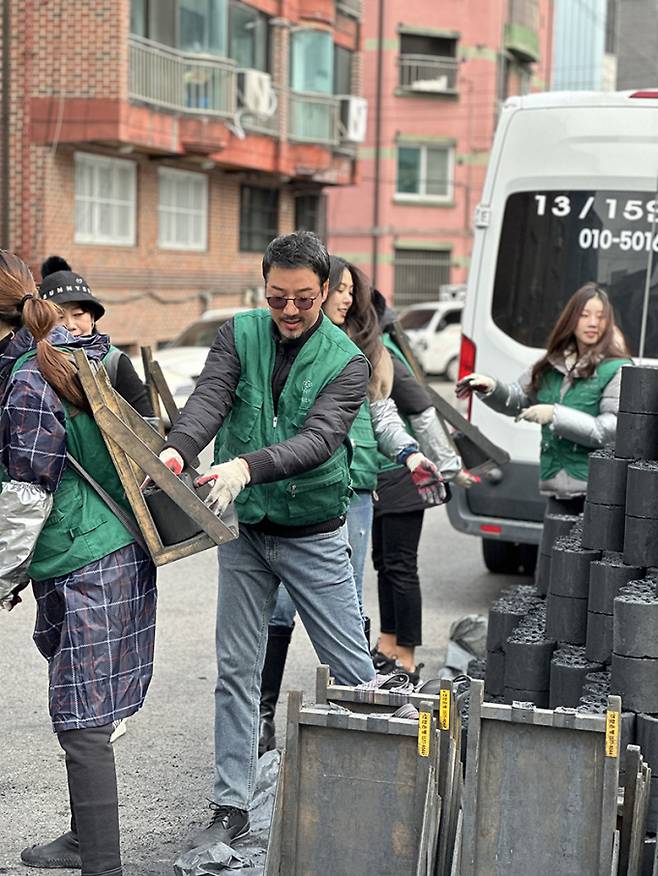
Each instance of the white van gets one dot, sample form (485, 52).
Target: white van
(570, 196)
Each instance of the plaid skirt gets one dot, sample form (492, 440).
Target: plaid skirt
(96, 628)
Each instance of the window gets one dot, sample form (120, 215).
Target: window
(451, 317)
(425, 172)
(428, 63)
(554, 241)
(311, 213)
(248, 37)
(203, 26)
(182, 210)
(342, 70)
(259, 217)
(155, 20)
(104, 200)
(419, 273)
(312, 57)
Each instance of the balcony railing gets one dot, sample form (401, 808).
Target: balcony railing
(429, 74)
(350, 7)
(177, 81)
(313, 118)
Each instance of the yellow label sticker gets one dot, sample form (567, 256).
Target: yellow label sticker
(612, 721)
(444, 710)
(424, 733)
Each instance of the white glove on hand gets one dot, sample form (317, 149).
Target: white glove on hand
(230, 478)
(474, 383)
(465, 479)
(172, 459)
(542, 414)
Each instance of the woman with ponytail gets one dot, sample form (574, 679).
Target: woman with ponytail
(88, 574)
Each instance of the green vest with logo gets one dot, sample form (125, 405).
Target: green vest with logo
(317, 495)
(80, 528)
(585, 395)
(385, 463)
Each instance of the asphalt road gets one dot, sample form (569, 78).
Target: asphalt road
(165, 759)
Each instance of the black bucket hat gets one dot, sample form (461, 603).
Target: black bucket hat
(67, 286)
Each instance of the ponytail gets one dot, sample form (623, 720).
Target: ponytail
(19, 297)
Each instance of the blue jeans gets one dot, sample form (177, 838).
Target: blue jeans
(317, 574)
(359, 524)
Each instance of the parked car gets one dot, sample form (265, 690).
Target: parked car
(183, 359)
(434, 330)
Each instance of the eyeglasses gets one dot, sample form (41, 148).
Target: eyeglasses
(278, 302)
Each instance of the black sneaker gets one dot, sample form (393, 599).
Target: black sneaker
(383, 665)
(227, 824)
(414, 677)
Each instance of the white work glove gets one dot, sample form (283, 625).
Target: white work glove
(426, 478)
(173, 460)
(465, 479)
(474, 383)
(542, 414)
(230, 478)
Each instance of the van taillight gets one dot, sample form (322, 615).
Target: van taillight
(651, 95)
(467, 364)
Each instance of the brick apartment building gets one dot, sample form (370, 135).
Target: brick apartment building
(159, 145)
(434, 75)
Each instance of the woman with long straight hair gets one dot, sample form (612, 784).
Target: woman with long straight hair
(88, 574)
(572, 392)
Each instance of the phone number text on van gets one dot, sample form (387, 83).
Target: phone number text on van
(635, 241)
(631, 209)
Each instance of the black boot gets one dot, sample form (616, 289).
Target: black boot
(278, 640)
(62, 853)
(93, 792)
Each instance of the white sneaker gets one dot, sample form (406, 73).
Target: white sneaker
(119, 730)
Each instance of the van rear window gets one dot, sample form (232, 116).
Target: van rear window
(554, 241)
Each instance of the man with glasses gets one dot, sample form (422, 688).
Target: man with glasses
(280, 390)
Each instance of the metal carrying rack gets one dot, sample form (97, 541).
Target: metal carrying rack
(362, 791)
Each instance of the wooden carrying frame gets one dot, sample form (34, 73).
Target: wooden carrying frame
(134, 447)
(157, 387)
(496, 456)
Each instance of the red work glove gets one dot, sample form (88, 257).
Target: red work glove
(426, 478)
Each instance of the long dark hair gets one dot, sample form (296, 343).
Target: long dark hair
(611, 345)
(20, 305)
(361, 323)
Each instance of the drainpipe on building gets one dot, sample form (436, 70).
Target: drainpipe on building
(378, 141)
(4, 131)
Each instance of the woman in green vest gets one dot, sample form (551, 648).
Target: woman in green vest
(93, 585)
(572, 392)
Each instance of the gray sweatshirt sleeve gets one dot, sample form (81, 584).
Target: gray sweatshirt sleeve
(434, 443)
(510, 398)
(390, 432)
(587, 429)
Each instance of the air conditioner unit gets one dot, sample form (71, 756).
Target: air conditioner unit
(255, 92)
(354, 118)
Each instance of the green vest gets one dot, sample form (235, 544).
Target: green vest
(317, 495)
(385, 463)
(80, 528)
(365, 458)
(585, 395)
